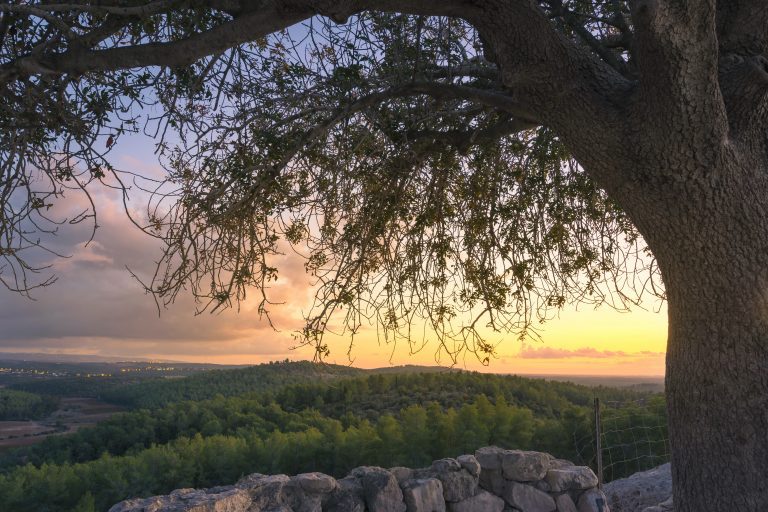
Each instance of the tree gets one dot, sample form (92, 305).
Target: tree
(449, 159)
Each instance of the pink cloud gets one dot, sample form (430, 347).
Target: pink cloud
(529, 352)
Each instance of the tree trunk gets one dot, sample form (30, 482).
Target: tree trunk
(710, 241)
(717, 389)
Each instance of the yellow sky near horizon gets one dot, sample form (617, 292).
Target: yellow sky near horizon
(583, 341)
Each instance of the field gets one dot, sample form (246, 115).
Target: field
(73, 413)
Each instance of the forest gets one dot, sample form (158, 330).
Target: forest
(329, 425)
(20, 405)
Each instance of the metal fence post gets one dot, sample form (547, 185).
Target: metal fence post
(598, 445)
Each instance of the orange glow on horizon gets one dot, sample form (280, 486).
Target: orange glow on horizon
(586, 342)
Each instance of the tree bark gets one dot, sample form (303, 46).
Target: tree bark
(710, 241)
(717, 391)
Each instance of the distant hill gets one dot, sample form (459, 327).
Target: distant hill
(648, 383)
(205, 385)
(89, 379)
(412, 368)
(273, 376)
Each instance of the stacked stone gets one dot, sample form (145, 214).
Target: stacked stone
(537, 482)
(493, 480)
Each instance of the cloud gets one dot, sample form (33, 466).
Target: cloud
(97, 307)
(529, 352)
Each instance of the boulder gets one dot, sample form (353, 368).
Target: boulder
(641, 490)
(593, 500)
(458, 483)
(492, 481)
(667, 506)
(571, 478)
(560, 463)
(565, 503)
(152, 504)
(423, 495)
(489, 457)
(308, 491)
(469, 462)
(527, 498)
(189, 500)
(381, 491)
(266, 492)
(522, 466)
(347, 497)
(483, 501)
(401, 474)
(315, 483)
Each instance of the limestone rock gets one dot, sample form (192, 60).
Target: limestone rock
(146, 504)
(483, 501)
(307, 492)
(593, 500)
(565, 503)
(523, 466)
(315, 483)
(469, 462)
(570, 478)
(489, 457)
(266, 491)
(401, 474)
(423, 495)
(347, 497)
(528, 498)
(381, 492)
(667, 506)
(492, 481)
(641, 490)
(230, 500)
(458, 483)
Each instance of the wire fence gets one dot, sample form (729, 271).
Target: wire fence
(626, 437)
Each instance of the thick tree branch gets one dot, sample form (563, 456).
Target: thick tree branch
(257, 21)
(744, 83)
(560, 83)
(564, 85)
(173, 54)
(742, 27)
(677, 57)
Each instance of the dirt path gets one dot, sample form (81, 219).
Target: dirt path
(73, 413)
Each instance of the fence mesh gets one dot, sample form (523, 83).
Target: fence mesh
(633, 438)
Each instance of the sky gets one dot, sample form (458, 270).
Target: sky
(97, 308)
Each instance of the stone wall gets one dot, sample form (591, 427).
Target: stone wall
(491, 480)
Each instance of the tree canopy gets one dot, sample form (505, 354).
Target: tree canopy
(384, 148)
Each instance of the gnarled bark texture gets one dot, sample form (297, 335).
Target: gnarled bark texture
(710, 240)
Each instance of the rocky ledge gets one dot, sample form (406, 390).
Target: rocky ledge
(646, 491)
(491, 480)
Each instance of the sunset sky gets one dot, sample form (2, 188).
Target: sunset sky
(97, 308)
